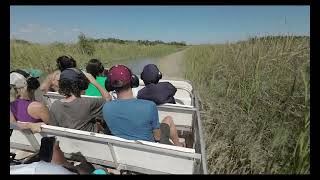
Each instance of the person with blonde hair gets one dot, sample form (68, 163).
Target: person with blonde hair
(24, 110)
(51, 83)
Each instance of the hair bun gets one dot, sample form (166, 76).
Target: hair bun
(33, 83)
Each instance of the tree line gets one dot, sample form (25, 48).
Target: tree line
(142, 42)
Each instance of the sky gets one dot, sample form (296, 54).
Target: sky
(192, 24)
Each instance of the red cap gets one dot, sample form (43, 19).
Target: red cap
(119, 73)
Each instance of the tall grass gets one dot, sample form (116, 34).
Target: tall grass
(23, 55)
(255, 104)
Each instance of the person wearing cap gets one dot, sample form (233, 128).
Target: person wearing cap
(74, 111)
(23, 109)
(51, 82)
(96, 69)
(131, 118)
(158, 92)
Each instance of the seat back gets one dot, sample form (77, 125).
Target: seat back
(183, 96)
(182, 114)
(138, 156)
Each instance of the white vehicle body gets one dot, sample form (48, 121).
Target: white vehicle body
(137, 156)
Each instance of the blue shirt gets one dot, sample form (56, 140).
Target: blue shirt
(132, 119)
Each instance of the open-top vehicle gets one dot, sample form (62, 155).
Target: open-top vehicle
(135, 156)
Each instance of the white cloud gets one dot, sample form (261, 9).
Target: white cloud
(44, 34)
(37, 29)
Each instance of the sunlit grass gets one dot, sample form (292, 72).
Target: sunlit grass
(255, 104)
(44, 56)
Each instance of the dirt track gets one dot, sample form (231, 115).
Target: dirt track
(172, 65)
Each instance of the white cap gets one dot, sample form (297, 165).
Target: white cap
(17, 80)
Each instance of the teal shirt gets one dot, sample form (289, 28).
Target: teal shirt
(92, 90)
(133, 119)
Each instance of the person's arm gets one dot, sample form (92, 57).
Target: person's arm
(96, 105)
(103, 92)
(34, 127)
(52, 120)
(172, 89)
(155, 123)
(39, 111)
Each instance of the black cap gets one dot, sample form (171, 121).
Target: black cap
(72, 74)
(150, 74)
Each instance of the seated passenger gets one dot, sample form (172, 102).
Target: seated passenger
(23, 108)
(73, 111)
(51, 83)
(96, 69)
(158, 92)
(131, 118)
(34, 127)
(50, 160)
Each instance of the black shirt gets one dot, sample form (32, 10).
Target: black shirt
(160, 93)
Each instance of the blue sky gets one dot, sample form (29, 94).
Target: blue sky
(192, 24)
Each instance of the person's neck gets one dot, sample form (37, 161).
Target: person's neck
(69, 99)
(126, 94)
(25, 97)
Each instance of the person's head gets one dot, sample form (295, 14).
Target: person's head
(95, 68)
(72, 82)
(120, 78)
(55, 79)
(23, 84)
(151, 74)
(50, 151)
(64, 62)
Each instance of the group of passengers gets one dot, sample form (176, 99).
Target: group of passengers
(126, 116)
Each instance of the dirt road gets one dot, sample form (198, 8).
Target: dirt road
(172, 66)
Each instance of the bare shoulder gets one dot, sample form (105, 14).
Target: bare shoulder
(36, 109)
(36, 105)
